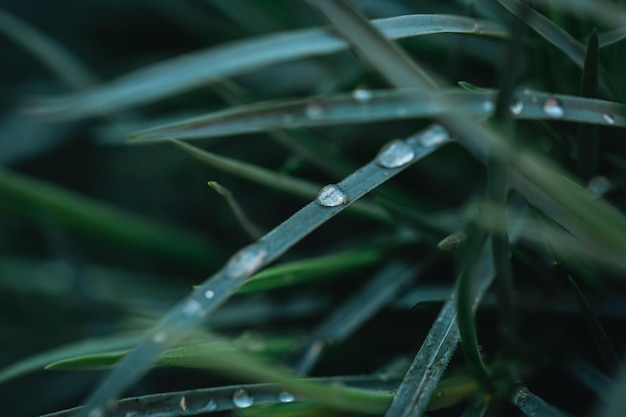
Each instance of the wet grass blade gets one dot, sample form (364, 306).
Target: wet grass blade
(193, 310)
(531, 405)
(307, 270)
(49, 204)
(246, 224)
(47, 51)
(382, 288)
(156, 82)
(588, 135)
(383, 105)
(271, 179)
(603, 344)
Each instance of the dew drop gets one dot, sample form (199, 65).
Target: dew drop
(477, 28)
(395, 154)
(331, 196)
(242, 398)
(245, 262)
(286, 397)
(517, 108)
(192, 308)
(598, 186)
(208, 294)
(159, 337)
(434, 137)
(183, 403)
(211, 405)
(488, 106)
(314, 111)
(610, 120)
(361, 95)
(553, 108)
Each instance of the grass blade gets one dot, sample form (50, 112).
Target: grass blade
(588, 135)
(50, 204)
(271, 179)
(224, 283)
(531, 405)
(246, 224)
(155, 82)
(383, 105)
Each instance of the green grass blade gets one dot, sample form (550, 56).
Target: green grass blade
(592, 378)
(603, 343)
(588, 135)
(193, 310)
(383, 105)
(246, 224)
(381, 289)
(323, 267)
(280, 182)
(83, 347)
(49, 204)
(156, 82)
(47, 51)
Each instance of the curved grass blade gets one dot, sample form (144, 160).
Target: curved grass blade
(225, 282)
(50, 204)
(83, 347)
(532, 405)
(612, 37)
(420, 382)
(383, 105)
(323, 267)
(246, 224)
(271, 179)
(382, 288)
(182, 74)
(47, 51)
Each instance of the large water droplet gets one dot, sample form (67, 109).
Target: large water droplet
(610, 120)
(361, 95)
(208, 294)
(553, 108)
(242, 398)
(517, 108)
(286, 397)
(331, 196)
(395, 154)
(314, 111)
(159, 337)
(245, 262)
(434, 136)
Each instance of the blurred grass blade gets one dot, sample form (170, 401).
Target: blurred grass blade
(467, 280)
(306, 270)
(588, 135)
(246, 224)
(49, 204)
(531, 405)
(610, 38)
(605, 12)
(616, 403)
(271, 179)
(47, 51)
(419, 383)
(83, 347)
(383, 105)
(193, 310)
(605, 348)
(156, 82)
(348, 317)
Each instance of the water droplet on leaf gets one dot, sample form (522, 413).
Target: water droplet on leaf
(331, 196)
(245, 262)
(192, 308)
(435, 136)
(553, 108)
(242, 398)
(286, 397)
(361, 95)
(517, 108)
(209, 294)
(211, 405)
(395, 154)
(314, 111)
(598, 186)
(159, 337)
(608, 119)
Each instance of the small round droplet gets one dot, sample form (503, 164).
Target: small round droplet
(598, 186)
(395, 154)
(434, 137)
(488, 106)
(210, 406)
(331, 196)
(208, 294)
(245, 262)
(610, 120)
(242, 398)
(361, 95)
(477, 28)
(192, 308)
(553, 108)
(439, 394)
(314, 111)
(286, 397)
(517, 108)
